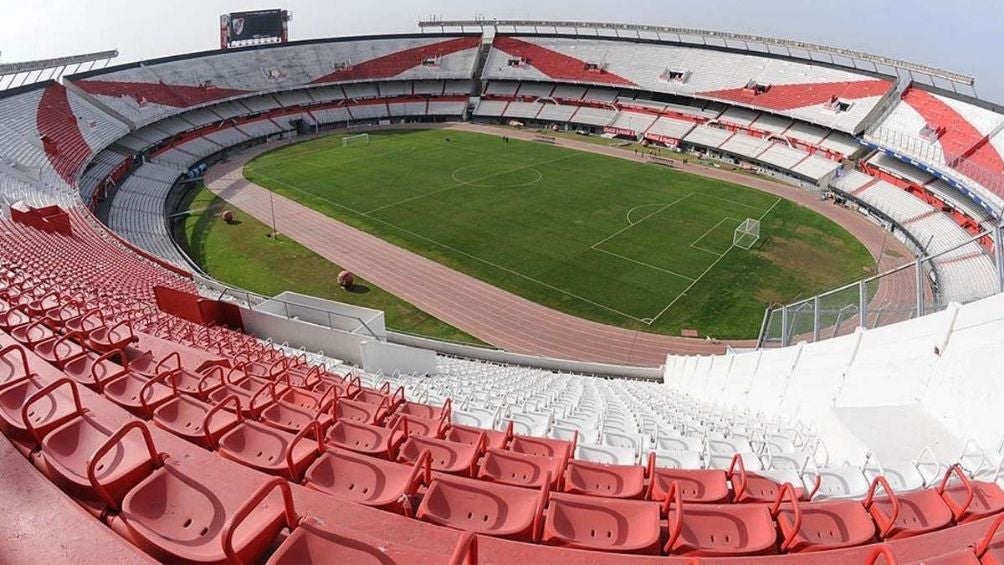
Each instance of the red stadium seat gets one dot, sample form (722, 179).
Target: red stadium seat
(175, 517)
(693, 485)
(191, 419)
(30, 409)
(484, 508)
(417, 425)
(359, 411)
(60, 350)
(107, 338)
(137, 394)
(447, 456)
(821, 526)
(370, 481)
(71, 455)
(13, 364)
(367, 439)
(312, 542)
(967, 499)
(907, 514)
(470, 435)
(990, 550)
(717, 530)
(586, 522)
(272, 451)
(520, 469)
(597, 479)
(382, 396)
(542, 447)
(757, 488)
(32, 334)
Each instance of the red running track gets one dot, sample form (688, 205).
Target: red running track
(494, 315)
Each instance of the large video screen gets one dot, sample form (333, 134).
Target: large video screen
(245, 26)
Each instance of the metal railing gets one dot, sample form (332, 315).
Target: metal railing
(909, 291)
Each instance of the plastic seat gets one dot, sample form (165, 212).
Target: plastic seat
(447, 456)
(674, 443)
(191, 419)
(69, 457)
(59, 350)
(107, 338)
(541, 447)
(14, 318)
(609, 454)
(31, 334)
(585, 522)
(610, 481)
(306, 400)
(990, 550)
(427, 411)
(471, 436)
(282, 416)
(13, 364)
(484, 508)
(137, 394)
(762, 487)
(821, 526)
(174, 517)
(381, 397)
(30, 409)
(369, 481)
(969, 500)
(87, 323)
(344, 388)
(312, 542)
(474, 417)
(359, 411)
(907, 514)
(270, 450)
(679, 459)
(693, 485)
(418, 425)
(717, 530)
(374, 441)
(92, 370)
(519, 469)
(839, 483)
(254, 397)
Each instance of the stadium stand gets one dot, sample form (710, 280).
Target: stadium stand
(186, 439)
(957, 140)
(798, 90)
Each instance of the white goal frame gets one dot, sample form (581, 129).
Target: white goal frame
(362, 138)
(747, 234)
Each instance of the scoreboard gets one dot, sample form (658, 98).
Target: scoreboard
(238, 29)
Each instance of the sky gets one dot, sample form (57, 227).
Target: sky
(961, 35)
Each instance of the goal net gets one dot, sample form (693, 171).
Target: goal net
(361, 139)
(747, 234)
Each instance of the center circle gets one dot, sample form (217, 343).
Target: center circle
(488, 175)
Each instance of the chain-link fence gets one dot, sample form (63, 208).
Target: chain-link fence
(966, 272)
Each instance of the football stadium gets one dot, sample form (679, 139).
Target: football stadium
(499, 291)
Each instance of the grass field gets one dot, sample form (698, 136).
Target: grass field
(633, 245)
(239, 254)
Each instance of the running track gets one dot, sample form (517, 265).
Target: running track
(500, 317)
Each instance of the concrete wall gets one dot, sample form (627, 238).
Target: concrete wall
(499, 356)
(339, 344)
(388, 358)
(364, 321)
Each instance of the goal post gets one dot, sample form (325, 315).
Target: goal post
(361, 139)
(747, 234)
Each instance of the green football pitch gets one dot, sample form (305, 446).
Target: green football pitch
(623, 243)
